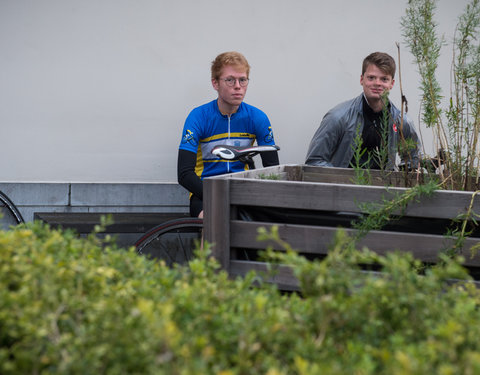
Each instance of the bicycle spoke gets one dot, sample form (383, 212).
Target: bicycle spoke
(164, 252)
(173, 242)
(184, 248)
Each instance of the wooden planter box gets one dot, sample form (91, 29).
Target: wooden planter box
(309, 203)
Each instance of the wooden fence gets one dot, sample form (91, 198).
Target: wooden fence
(308, 204)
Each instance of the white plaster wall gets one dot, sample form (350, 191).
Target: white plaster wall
(98, 90)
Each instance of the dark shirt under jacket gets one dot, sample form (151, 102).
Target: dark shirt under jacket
(373, 127)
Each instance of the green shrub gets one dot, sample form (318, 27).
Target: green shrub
(76, 306)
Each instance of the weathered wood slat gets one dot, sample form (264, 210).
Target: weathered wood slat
(294, 172)
(216, 222)
(317, 239)
(259, 173)
(347, 176)
(392, 180)
(342, 197)
(283, 276)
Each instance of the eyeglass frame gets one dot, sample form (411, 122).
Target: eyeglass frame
(234, 80)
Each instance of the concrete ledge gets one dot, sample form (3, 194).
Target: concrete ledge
(96, 197)
(134, 194)
(37, 193)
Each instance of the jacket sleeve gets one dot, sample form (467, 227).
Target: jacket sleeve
(324, 142)
(186, 173)
(413, 152)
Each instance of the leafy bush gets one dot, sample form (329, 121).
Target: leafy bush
(73, 306)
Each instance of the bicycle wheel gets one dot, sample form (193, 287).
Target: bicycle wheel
(173, 241)
(9, 214)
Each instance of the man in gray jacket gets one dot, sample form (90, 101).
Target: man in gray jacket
(355, 132)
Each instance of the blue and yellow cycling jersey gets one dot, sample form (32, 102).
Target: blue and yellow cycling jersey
(205, 127)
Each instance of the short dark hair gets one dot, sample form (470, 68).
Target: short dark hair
(382, 60)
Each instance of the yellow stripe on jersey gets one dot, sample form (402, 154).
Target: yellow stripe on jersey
(226, 136)
(205, 146)
(199, 163)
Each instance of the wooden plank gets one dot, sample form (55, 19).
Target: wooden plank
(342, 197)
(307, 173)
(348, 174)
(310, 239)
(286, 280)
(123, 222)
(388, 180)
(317, 240)
(280, 275)
(294, 172)
(216, 222)
(256, 173)
(328, 174)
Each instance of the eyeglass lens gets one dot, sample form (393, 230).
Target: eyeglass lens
(230, 81)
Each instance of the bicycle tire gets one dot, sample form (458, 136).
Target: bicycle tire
(173, 241)
(9, 213)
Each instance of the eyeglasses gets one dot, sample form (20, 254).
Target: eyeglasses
(230, 81)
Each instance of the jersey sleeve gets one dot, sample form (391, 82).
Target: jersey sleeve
(263, 129)
(191, 132)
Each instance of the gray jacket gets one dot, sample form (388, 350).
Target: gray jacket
(332, 144)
